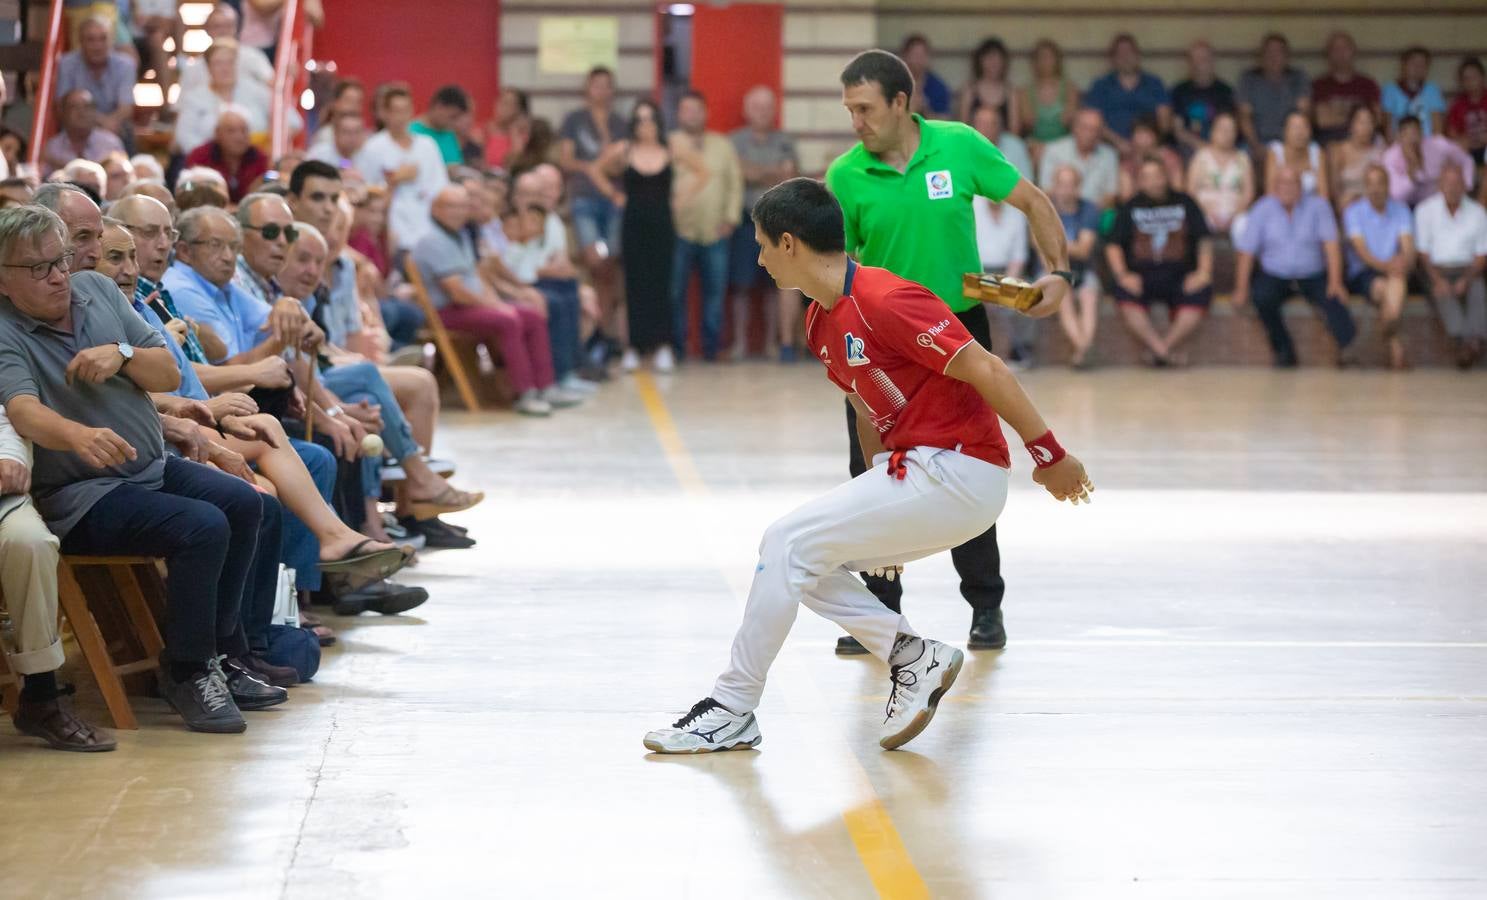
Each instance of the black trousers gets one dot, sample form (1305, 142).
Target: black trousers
(977, 561)
(1270, 293)
(206, 524)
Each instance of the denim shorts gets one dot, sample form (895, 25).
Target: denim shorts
(595, 219)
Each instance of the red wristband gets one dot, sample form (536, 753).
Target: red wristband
(1045, 450)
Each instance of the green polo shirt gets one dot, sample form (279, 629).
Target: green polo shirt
(448, 141)
(918, 223)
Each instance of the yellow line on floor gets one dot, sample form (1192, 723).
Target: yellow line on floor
(871, 829)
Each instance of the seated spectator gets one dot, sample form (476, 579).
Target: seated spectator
(1160, 252)
(81, 217)
(147, 167)
(439, 121)
(1146, 143)
(542, 145)
(1270, 92)
(86, 174)
(1350, 160)
(231, 153)
(1289, 244)
(1343, 89)
(102, 480)
(348, 137)
(1001, 236)
(1098, 165)
(12, 150)
(409, 164)
(1413, 94)
(1049, 103)
(1451, 232)
(253, 66)
(15, 192)
(106, 76)
(80, 137)
(205, 188)
(1466, 120)
(446, 258)
(1127, 93)
(1200, 99)
(988, 121)
(28, 577)
(119, 172)
(1298, 152)
(1381, 254)
(932, 97)
(1220, 177)
(545, 257)
(1415, 162)
(200, 107)
(989, 84)
(1081, 229)
(507, 131)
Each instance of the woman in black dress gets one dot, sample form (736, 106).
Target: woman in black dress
(647, 233)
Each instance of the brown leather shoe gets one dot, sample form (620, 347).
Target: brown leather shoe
(55, 724)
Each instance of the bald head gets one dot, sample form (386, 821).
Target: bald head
(233, 133)
(1088, 126)
(1288, 185)
(759, 108)
(451, 208)
(152, 189)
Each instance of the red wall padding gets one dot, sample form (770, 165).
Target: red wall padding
(734, 48)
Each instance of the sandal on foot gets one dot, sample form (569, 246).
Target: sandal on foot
(55, 724)
(449, 500)
(380, 563)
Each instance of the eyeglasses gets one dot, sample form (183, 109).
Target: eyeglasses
(40, 271)
(272, 231)
(217, 245)
(154, 232)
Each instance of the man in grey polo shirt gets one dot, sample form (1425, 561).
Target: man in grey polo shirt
(76, 368)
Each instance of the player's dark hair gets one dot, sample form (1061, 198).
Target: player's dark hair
(804, 208)
(311, 168)
(1416, 50)
(453, 96)
(882, 68)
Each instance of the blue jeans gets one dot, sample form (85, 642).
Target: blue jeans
(301, 548)
(362, 381)
(712, 261)
(402, 321)
(206, 524)
(562, 322)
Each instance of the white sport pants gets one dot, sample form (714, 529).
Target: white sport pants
(812, 555)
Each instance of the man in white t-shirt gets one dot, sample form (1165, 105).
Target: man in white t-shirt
(1451, 234)
(409, 164)
(1001, 236)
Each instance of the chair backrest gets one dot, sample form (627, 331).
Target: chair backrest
(447, 350)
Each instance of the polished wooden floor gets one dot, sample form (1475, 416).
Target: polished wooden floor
(1255, 667)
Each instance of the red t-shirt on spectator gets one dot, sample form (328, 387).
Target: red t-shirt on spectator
(1341, 97)
(367, 244)
(889, 341)
(250, 168)
(1469, 117)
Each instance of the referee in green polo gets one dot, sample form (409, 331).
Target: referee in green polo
(905, 191)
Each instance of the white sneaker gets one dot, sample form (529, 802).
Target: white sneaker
(665, 360)
(706, 728)
(561, 398)
(532, 404)
(575, 385)
(630, 361)
(922, 670)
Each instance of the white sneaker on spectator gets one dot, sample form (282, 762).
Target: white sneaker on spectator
(411, 355)
(531, 403)
(630, 361)
(575, 385)
(561, 398)
(665, 360)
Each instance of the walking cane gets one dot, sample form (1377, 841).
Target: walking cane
(309, 397)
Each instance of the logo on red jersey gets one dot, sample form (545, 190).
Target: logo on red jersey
(855, 351)
(928, 342)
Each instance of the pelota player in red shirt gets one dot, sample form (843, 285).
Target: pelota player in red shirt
(927, 399)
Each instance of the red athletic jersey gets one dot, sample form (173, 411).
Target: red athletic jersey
(888, 341)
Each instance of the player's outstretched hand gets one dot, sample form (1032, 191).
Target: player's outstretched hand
(1066, 480)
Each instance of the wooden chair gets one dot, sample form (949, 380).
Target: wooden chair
(447, 351)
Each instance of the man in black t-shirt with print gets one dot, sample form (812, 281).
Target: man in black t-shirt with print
(1160, 252)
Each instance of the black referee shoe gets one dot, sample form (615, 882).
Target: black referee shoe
(987, 632)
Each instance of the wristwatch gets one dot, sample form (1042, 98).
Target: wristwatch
(1065, 275)
(125, 351)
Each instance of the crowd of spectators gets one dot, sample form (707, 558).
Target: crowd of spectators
(1189, 188)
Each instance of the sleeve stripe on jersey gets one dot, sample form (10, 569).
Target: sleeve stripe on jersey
(951, 359)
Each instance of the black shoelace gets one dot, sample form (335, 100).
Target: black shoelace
(904, 680)
(699, 709)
